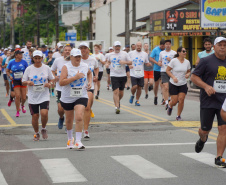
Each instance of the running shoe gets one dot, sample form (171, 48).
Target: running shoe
(23, 109)
(199, 145)
(146, 96)
(70, 143)
(79, 145)
(92, 114)
(44, 133)
(131, 99)
(9, 103)
(117, 110)
(166, 106)
(128, 88)
(150, 87)
(18, 114)
(156, 101)
(108, 88)
(178, 118)
(53, 94)
(86, 134)
(169, 110)
(163, 102)
(36, 137)
(96, 97)
(6, 95)
(220, 162)
(137, 103)
(61, 123)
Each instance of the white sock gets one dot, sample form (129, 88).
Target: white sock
(166, 101)
(78, 136)
(70, 134)
(43, 128)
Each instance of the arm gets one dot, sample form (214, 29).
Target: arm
(96, 72)
(153, 60)
(168, 71)
(197, 61)
(188, 73)
(89, 77)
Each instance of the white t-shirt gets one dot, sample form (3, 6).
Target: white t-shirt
(162, 57)
(179, 70)
(92, 64)
(224, 105)
(57, 65)
(26, 55)
(39, 76)
(57, 55)
(100, 65)
(118, 70)
(138, 60)
(69, 93)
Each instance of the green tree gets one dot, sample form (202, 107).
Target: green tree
(85, 29)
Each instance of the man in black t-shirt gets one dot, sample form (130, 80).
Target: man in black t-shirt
(210, 75)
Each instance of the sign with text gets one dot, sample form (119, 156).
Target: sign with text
(157, 21)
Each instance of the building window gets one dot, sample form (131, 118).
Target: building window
(67, 8)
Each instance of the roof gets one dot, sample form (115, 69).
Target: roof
(139, 28)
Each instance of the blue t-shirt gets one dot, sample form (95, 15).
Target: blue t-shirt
(155, 54)
(17, 67)
(45, 53)
(203, 54)
(3, 63)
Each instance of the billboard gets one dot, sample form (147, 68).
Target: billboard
(71, 36)
(157, 21)
(213, 13)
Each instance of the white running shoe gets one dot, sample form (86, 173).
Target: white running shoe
(86, 134)
(79, 145)
(70, 143)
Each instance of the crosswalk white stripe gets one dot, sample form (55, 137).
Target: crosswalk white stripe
(2, 179)
(62, 170)
(143, 167)
(203, 157)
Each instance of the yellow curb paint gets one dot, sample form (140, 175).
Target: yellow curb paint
(188, 123)
(7, 116)
(195, 132)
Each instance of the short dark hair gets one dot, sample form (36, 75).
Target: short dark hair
(207, 40)
(168, 41)
(133, 45)
(28, 41)
(162, 42)
(96, 45)
(50, 51)
(178, 51)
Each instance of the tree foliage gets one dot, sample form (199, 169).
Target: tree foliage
(85, 29)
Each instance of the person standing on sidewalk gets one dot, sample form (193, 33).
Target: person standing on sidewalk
(210, 76)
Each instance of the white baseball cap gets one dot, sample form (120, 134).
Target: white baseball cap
(76, 52)
(37, 53)
(219, 39)
(6, 49)
(117, 43)
(83, 44)
(110, 48)
(59, 45)
(17, 46)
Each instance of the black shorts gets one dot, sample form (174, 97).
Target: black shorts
(18, 83)
(157, 75)
(108, 71)
(100, 74)
(118, 82)
(127, 69)
(137, 81)
(91, 90)
(70, 106)
(58, 96)
(175, 90)
(5, 77)
(207, 117)
(34, 108)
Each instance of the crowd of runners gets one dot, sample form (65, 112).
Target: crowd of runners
(34, 74)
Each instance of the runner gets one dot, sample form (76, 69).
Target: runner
(57, 54)
(44, 51)
(139, 59)
(154, 58)
(18, 66)
(76, 79)
(179, 69)
(164, 58)
(4, 65)
(133, 47)
(148, 74)
(110, 50)
(56, 70)
(118, 59)
(210, 76)
(93, 66)
(101, 62)
(26, 55)
(39, 79)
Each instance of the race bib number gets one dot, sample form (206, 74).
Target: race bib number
(38, 88)
(76, 92)
(220, 86)
(118, 67)
(138, 72)
(18, 74)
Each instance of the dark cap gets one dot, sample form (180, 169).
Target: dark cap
(43, 46)
(50, 51)
(18, 52)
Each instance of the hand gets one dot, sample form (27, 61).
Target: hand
(175, 80)
(11, 78)
(89, 85)
(79, 75)
(130, 66)
(95, 79)
(57, 78)
(168, 58)
(187, 75)
(149, 64)
(97, 59)
(121, 62)
(30, 83)
(11, 71)
(209, 90)
(159, 63)
(47, 85)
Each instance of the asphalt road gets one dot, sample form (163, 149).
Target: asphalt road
(142, 145)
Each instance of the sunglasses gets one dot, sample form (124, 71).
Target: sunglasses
(184, 51)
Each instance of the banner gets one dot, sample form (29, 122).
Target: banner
(213, 13)
(157, 21)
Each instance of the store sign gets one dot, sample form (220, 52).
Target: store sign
(157, 21)
(189, 34)
(71, 36)
(183, 20)
(213, 13)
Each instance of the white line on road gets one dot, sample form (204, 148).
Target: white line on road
(143, 167)
(102, 146)
(203, 157)
(2, 179)
(62, 171)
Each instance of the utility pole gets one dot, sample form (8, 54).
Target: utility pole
(127, 36)
(47, 32)
(12, 36)
(134, 16)
(110, 24)
(90, 24)
(57, 21)
(38, 24)
(80, 24)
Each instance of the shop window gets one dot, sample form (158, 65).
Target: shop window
(67, 8)
(172, 41)
(180, 41)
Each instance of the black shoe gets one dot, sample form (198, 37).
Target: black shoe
(163, 102)
(128, 88)
(150, 87)
(156, 101)
(98, 93)
(220, 162)
(200, 145)
(166, 106)
(146, 96)
(96, 97)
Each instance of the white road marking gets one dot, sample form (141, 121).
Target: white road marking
(2, 179)
(143, 167)
(102, 146)
(62, 171)
(203, 157)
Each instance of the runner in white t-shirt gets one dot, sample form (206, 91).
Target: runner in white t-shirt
(117, 61)
(26, 55)
(110, 50)
(93, 66)
(39, 79)
(139, 59)
(75, 79)
(164, 58)
(56, 70)
(101, 62)
(57, 54)
(179, 70)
